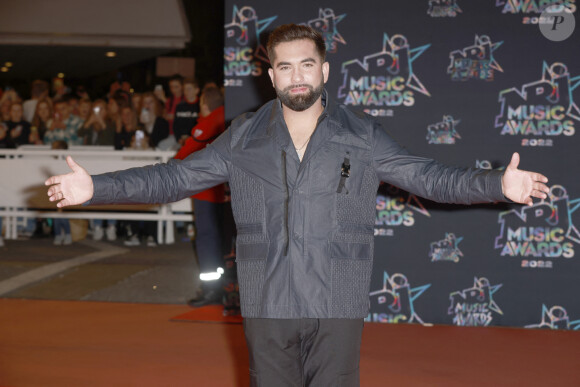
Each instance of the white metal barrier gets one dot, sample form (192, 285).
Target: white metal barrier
(23, 193)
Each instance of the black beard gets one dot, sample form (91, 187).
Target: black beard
(300, 102)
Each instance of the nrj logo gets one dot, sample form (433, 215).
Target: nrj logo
(541, 108)
(326, 25)
(473, 306)
(443, 132)
(394, 303)
(556, 318)
(384, 78)
(476, 61)
(544, 230)
(443, 8)
(243, 50)
(396, 207)
(532, 7)
(446, 249)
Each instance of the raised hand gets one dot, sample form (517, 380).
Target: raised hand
(72, 188)
(520, 186)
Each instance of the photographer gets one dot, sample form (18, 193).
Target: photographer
(98, 129)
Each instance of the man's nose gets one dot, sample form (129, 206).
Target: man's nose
(296, 75)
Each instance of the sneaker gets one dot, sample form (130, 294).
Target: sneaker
(151, 241)
(1, 242)
(132, 241)
(98, 233)
(58, 239)
(111, 232)
(212, 297)
(67, 240)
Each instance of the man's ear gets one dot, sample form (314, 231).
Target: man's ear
(325, 71)
(271, 74)
(204, 110)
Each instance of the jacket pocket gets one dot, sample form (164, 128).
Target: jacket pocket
(351, 264)
(251, 258)
(345, 250)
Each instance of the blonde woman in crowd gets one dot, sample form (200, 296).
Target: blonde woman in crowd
(156, 127)
(41, 120)
(6, 101)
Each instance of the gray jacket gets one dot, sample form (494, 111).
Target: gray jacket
(305, 229)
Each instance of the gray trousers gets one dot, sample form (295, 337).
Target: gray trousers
(304, 352)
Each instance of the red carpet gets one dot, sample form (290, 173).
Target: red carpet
(118, 345)
(210, 314)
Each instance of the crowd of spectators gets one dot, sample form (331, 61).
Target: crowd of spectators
(122, 119)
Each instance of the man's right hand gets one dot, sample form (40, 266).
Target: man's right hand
(72, 188)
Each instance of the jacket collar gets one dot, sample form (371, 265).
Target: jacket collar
(325, 128)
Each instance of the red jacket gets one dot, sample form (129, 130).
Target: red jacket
(206, 130)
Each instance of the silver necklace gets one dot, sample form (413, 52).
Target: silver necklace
(303, 145)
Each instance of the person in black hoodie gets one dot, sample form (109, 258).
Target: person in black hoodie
(187, 112)
(18, 129)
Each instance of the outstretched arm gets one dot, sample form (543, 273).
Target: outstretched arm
(441, 183)
(151, 184)
(520, 186)
(72, 188)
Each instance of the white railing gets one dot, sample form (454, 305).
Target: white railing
(23, 194)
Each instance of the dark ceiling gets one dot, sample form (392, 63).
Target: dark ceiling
(89, 66)
(47, 61)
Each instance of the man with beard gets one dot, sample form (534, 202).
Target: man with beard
(304, 173)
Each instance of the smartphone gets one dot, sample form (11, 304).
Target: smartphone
(139, 139)
(97, 109)
(158, 88)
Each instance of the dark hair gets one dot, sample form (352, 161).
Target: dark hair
(176, 77)
(291, 32)
(158, 106)
(36, 119)
(191, 81)
(69, 97)
(213, 98)
(59, 144)
(58, 101)
(39, 88)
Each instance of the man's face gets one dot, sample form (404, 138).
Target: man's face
(63, 110)
(190, 91)
(176, 88)
(298, 74)
(84, 109)
(16, 113)
(127, 116)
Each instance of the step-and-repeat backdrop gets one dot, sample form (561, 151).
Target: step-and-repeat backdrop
(467, 83)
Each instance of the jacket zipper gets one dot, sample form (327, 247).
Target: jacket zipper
(286, 197)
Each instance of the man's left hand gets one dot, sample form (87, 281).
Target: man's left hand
(520, 186)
